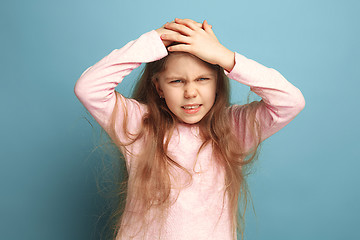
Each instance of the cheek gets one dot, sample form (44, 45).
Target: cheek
(168, 93)
(171, 98)
(211, 93)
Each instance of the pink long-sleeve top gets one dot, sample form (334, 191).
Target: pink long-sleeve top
(198, 212)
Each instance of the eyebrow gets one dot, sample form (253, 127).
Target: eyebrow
(206, 75)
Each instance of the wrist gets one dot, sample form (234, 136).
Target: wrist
(227, 59)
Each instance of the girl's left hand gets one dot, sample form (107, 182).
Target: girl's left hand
(199, 41)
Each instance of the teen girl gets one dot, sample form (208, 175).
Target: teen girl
(185, 147)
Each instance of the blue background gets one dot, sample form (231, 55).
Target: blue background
(306, 183)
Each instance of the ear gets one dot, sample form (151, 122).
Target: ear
(156, 83)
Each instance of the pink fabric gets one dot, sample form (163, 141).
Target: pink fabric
(197, 213)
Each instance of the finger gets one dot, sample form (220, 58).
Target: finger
(175, 38)
(187, 22)
(197, 24)
(190, 20)
(194, 22)
(178, 28)
(206, 26)
(180, 48)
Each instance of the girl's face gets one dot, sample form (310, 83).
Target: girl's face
(188, 86)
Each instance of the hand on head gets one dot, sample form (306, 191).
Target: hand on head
(197, 39)
(162, 30)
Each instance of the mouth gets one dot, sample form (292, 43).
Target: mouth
(191, 108)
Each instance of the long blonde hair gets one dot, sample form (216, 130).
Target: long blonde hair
(216, 128)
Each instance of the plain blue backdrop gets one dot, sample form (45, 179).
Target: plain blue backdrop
(306, 183)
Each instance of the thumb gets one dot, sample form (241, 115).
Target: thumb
(206, 26)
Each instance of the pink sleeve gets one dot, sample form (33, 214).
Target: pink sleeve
(281, 101)
(96, 86)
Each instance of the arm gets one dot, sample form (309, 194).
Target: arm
(96, 86)
(281, 101)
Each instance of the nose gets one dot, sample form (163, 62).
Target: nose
(190, 91)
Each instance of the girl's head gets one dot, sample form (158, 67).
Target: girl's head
(183, 86)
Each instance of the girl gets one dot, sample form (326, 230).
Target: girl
(185, 147)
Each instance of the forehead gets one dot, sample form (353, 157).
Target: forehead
(185, 64)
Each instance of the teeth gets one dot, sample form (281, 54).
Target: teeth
(191, 107)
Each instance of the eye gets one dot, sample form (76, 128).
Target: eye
(176, 81)
(203, 79)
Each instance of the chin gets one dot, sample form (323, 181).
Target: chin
(190, 121)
